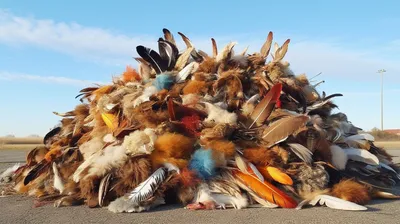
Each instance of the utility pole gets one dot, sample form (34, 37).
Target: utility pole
(381, 71)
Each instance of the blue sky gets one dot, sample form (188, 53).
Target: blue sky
(49, 51)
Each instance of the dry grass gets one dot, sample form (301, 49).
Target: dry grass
(19, 143)
(388, 144)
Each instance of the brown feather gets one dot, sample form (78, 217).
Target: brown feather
(283, 128)
(224, 146)
(351, 190)
(214, 47)
(209, 65)
(267, 45)
(186, 40)
(168, 36)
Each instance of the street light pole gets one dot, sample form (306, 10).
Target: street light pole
(381, 71)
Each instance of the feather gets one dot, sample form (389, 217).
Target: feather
(110, 120)
(244, 51)
(267, 45)
(36, 171)
(171, 110)
(262, 157)
(168, 53)
(203, 163)
(183, 59)
(103, 188)
(168, 36)
(254, 171)
(273, 173)
(186, 71)
(238, 202)
(339, 157)
(265, 190)
(264, 108)
(361, 155)
(214, 47)
(146, 189)
(58, 182)
(164, 81)
(302, 152)
(335, 203)
(241, 163)
(226, 52)
(152, 57)
(280, 52)
(111, 157)
(384, 195)
(281, 129)
(186, 40)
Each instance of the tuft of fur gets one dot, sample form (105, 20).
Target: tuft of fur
(218, 115)
(173, 148)
(92, 146)
(351, 190)
(224, 146)
(89, 190)
(262, 157)
(140, 141)
(195, 87)
(339, 157)
(112, 157)
(8, 174)
(131, 174)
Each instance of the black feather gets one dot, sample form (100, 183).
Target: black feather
(196, 56)
(37, 170)
(152, 57)
(51, 134)
(168, 53)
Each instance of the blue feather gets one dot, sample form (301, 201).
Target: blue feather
(163, 81)
(203, 163)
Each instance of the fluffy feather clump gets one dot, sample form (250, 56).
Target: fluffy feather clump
(140, 142)
(203, 163)
(172, 148)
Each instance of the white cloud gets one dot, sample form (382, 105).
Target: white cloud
(305, 55)
(47, 79)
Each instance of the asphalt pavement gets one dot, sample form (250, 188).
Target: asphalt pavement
(19, 209)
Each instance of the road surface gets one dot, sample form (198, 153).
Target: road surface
(18, 209)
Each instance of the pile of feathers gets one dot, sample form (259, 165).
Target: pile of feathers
(227, 130)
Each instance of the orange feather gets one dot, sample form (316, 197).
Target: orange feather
(265, 190)
(273, 173)
(130, 75)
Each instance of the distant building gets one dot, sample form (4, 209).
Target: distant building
(393, 131)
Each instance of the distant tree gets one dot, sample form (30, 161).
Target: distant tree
(34, 136)
(380, 135)
(10, 136)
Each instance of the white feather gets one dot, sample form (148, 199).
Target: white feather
(147, 188)
(361, 155)
(256, 172)
(336, 203)
(224, 53)
(112, 157)
(77, 174)
(238, 202)
(186, 71)
(302, 152)
(124, 204)
(219, 115)
(91, 147)
(58, 183)
(339, 157)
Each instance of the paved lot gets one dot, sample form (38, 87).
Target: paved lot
(17, 209)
